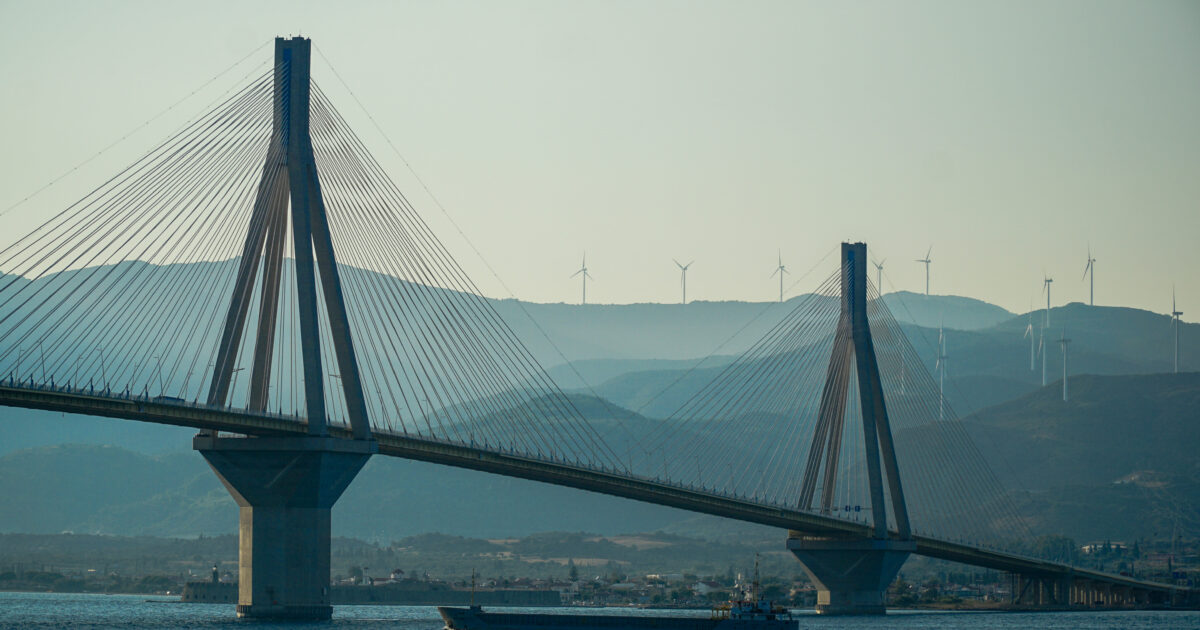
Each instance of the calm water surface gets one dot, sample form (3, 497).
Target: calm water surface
(39, 610)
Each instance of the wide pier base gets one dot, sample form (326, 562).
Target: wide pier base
(852, 575)
(285, 488)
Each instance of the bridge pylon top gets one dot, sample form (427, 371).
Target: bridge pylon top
(853, 339)
(289, 193)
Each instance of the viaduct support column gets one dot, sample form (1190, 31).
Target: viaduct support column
(285, 488)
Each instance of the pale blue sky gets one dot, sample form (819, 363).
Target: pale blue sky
(1006, 134)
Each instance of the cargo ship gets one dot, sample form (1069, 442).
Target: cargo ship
(741, 615)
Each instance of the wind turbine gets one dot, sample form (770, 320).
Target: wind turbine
(926, 260)
(781, 270)
(1046, 280)
(1064, 341)
(1091, 267)
(1042, 351)
(1175, 313)
(1029, 333)
(940, 366)
(583, 270)
(879, 276)
(683, 277)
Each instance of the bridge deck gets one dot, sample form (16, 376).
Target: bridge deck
(612, 482)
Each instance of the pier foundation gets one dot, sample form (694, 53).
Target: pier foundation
(285, 488)
(852, 575)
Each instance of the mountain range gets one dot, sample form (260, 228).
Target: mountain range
(1116, 461)
(1122, 446)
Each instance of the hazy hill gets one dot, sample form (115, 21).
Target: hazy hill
(109, 490)
(1132, 335)
(985, 367)
(598, 336)
(1112, 427)
(951, 311)
(1118, 460)
(681, 332)
(630, 354)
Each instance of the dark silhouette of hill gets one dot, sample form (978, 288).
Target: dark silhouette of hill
(1112, 427)
(1116, 460)
(644, 359)
(110, 490)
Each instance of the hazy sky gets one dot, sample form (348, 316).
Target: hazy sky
(1008, 135)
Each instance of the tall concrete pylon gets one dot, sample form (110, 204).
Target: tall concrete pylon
(285, 487)
(852, 574)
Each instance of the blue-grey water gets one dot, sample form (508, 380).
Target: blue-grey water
(51, 610)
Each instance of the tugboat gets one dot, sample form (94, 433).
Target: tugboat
(752, 613)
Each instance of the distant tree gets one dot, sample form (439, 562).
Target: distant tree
(572, 570)
(1056, 549)
(155, 584)
(717, 597)
(773, 592)
(930, 591)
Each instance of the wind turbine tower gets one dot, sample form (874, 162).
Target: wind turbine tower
(1046, 289)
(781, 269)
(1064, 341)
(1090, 269)
(879, 276)
(1175, 313)
(683, 277)
(1042, 351)
(926, 260)
(1029, 333)
(583, 271)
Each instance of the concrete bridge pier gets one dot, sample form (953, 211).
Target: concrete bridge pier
(285, 488)
(1044, 590)
(852, 575)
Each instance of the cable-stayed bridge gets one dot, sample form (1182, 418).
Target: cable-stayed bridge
(258, 276)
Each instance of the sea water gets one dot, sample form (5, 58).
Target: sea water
(53, 610)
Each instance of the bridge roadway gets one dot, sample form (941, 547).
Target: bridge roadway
(174, 411)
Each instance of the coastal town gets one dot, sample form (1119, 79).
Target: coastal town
(527, 577)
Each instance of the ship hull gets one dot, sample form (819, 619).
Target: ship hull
(476, 619)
